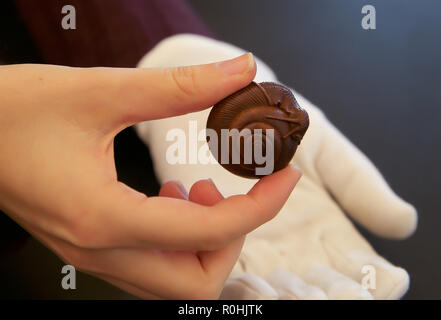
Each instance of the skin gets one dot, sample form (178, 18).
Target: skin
(58, 178)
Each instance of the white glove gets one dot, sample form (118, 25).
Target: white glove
(310, 250)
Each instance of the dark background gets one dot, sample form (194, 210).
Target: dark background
(381, 88)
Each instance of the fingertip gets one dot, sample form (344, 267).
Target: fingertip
(392, 281)
(253, 67)
(244, 65)
(402, 282)
(173, 189)
(205, 192)
(284, 180)
(271, 192)
(407, 222)
(397, 219)
(296, 169)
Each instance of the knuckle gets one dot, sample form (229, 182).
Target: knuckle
(185, 80)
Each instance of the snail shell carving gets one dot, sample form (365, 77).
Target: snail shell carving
(262, 106)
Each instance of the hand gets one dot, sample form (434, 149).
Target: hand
(311, 250)
(58, 177)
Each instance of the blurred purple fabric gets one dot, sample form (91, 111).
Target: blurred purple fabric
(114, 33)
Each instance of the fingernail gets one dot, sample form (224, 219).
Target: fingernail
(214, 185)
(239, 65)
(181, 188)
(296, 168)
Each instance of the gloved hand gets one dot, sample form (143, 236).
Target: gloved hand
(310, 250)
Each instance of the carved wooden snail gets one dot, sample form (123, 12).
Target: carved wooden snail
(261, 106)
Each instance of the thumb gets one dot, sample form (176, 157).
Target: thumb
(137, 95)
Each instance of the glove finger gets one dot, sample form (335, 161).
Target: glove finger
(351, 255)
(248, 287)
(384, 280)
(336, 285)
(291, 287)
(359, 187)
